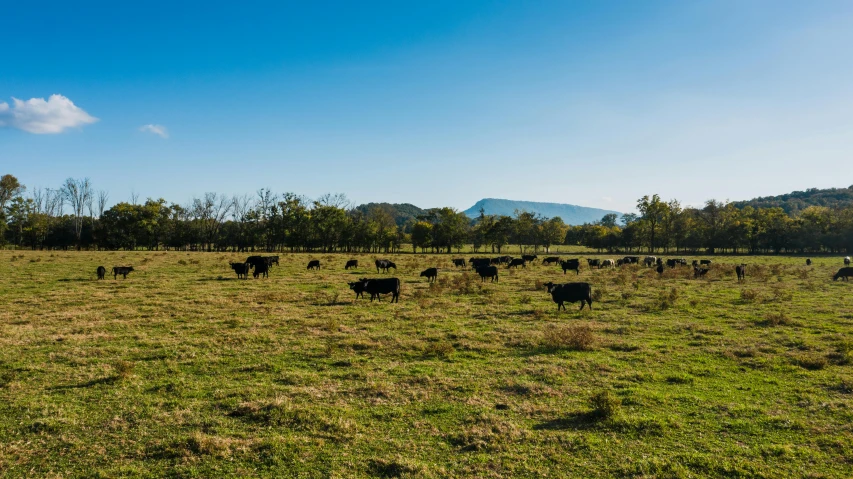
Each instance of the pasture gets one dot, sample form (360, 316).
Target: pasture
(182, 370)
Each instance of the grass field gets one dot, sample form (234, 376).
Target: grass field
(184, 371)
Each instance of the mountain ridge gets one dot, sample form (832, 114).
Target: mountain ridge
(570, 214)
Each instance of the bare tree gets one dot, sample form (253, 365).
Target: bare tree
(211, 210)
(337, 200)
(78, 194)
(266, 200)
(103, 197)
(38, 200)
(134, 197)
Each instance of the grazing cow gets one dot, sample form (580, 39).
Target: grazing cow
(650, 260)
(242, 270)
(847, 261)
(570, 264)
(271, 260)
(593, 262)
(358, 287)
(384, 265)
(659, 269)
(808, 262)
(740, 270)
(843, 273)
(314, 264)
(353, 263)
(631, 260)
(620, 262)
(517, 262)
(529, 257)
(495, 260)
(671, 263)
(705, 261)
(377, 287)
(551, 260)
(488, 272)
(121, 270)
(478, 262)
(505, 259)
(262, 270)
(101, 272)
(571, 292)
(697, 271)
(607, 263)
(459, 262)
(430, 273)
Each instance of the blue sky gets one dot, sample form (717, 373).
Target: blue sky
(433, 103)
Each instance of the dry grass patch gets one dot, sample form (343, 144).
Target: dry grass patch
(575, 337)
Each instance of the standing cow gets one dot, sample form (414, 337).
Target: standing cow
(353, 263)
(121, 270)
(570, 292)
(571, 264)
(847, 261)
(101, 272)
(460, 262)
(488, 272)
(314, 264)
(242, 270)
(516, 263)
(430, 273)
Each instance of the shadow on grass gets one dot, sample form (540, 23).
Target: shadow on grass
(575, 421)
(75, 280)
(88, 384)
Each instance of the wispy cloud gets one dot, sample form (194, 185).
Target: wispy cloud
(40, 116)
(158, 130)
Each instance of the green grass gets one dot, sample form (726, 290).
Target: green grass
(183, 371)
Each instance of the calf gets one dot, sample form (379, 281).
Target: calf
(808, 262)
(607, 263)
(358, 287)
(843, 273)
(271, 260)
(570, 264)
(314, 264)
(570, 292)
(551, 260)
(101, 272)
(517, 262)
(430, 273)
(384, 265)
(847, 261)
(242, 270)
(659, 269)
(529, 257)
(593, 262)
(488, 272)
(377, 287)
(262, 270)
(740, 270)
(697, 271)
(121, 270)
(459, 262)
(353, 263)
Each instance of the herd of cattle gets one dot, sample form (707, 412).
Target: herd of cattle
(486, 268)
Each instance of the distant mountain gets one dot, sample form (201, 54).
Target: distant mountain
(402, 212)
(570, 214)
(794, 202)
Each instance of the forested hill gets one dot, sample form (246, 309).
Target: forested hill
(402, 212)
(797, 201)
(570, 214)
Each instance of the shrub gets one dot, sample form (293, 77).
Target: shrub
(810, 362)
(748, 295)
(598, 293)
(605, 405)
(577, 337)
(123, 369)
(776, 319)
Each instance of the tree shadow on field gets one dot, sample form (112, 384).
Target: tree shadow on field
(93, 382)
(576, 421)
(75, 280)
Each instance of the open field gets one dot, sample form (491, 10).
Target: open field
(184, 371)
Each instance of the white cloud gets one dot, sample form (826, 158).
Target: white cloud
(41, 116)
(607, 199)
(158, 130)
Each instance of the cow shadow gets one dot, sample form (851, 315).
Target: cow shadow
(94, 382)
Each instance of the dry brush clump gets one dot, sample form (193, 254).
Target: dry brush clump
(488, 432)
(749, 295)
(605, 405)
(665, 300)
(575, 337)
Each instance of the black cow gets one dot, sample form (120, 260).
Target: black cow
(430, 273)
(808, 262)
(517, 262)
(271, 260)
(254, 261)
(705, 261)
(459, 262)
(620, 262)
(384, 265)
(505, 259)
(571, 292)
(242, 270)
(659, 269)
(550, 260)
(843, 273)
(121, 270)
(478, 262)
(262, 270)
(314, 264)
(593, 262)
(358, 287)
(377, 287)
(740, 270)
(353, 263)
(101, 272)
(697, 271)
(570, 264)
(631, 260)
(529, 257)
(495, 260)
(488, 272)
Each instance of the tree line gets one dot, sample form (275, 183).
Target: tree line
(76, 216)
